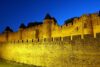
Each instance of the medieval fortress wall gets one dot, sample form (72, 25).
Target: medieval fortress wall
(75, 44)
(86, 24)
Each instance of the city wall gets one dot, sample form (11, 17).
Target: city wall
(56, 52)
(76, 44)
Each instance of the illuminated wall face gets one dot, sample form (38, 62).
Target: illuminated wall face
(64, 53)
(36, 54)
(3, 38)
(47, 28)
(86, 24)
(14, 36)
(79, 47)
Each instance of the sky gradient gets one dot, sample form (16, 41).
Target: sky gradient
(15, 12)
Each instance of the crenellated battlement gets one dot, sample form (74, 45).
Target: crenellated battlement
(74, 44)
(86, 24)
(87, 37)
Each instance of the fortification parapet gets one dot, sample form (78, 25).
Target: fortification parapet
(86, 24)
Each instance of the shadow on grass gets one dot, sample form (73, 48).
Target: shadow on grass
(6, 63)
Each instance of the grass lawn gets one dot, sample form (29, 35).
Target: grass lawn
(4, 63)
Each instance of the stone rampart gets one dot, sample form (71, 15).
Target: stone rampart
(55, 52)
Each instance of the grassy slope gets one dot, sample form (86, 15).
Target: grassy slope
(12, 64)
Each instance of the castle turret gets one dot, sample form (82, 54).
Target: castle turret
(7, 31)
(95, 19)
(87, 27)
(21, 28)
(47, 26)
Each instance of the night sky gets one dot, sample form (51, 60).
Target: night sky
(15, 12)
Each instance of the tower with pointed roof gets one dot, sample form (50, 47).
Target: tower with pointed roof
(47, 26)
(7, 31)
(21, 28)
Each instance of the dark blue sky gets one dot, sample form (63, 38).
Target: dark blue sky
(15, 12)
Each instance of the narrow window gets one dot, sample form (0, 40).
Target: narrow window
(76, 28)
(27, 41)
(38, 39)
(18, 41)
(85, 25)
(32, 40)
(22, 41)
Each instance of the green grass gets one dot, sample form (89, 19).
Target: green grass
(4, 63)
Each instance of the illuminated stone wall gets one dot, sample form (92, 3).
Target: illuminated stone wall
(61, 52)
(15, 36)
(28, 34)
(2, 38)
(73, 45)
(86, 24)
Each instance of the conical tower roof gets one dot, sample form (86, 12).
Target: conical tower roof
(8, 29)
(22, 26)
(48, 16)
